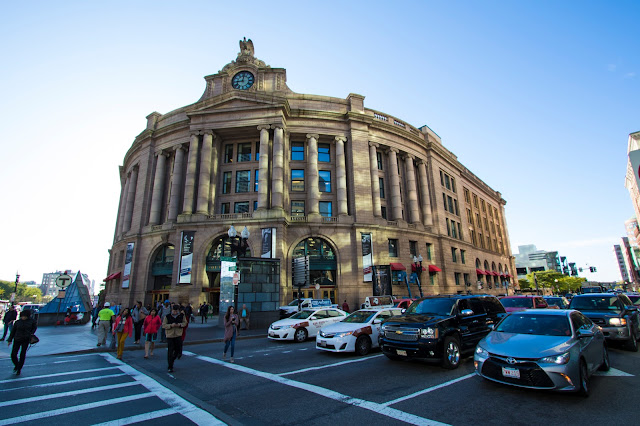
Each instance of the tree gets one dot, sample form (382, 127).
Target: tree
(24, 293)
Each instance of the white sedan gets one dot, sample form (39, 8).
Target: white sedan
(357, 333)
(305, 323)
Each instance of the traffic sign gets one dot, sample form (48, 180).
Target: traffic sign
(236, 278)
(63, 281)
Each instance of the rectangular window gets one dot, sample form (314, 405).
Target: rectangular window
(453, 185)
(454, 231)
(460, 231)
(481, 239)
(490, 212)
(484, 207)
(444, 201)
(447, 182)
(241, 207)
(255, 205)
(256, 180)
(297, 151)
(429, 251)
(297, 208)
(324, 153)
(475, 201)
(393, 248)
(228, 153)
(297, 180)
(466, 196)
(324, 181)
(325, 208)
(455, 205)
(457, 277)
(454, 254)
(486, 224)
(473, 238)
(244, 152)
(381, 183)
(224, 208)
(488, 242)
(448, 228)
(379, 160)
(441, 178)
(478, 222)
(467, 279)
(243, 178)
(413, 248)
(226, 182)
(469, 217)
(463, 260)
(257, 151)
(383, 211)
(450, 204)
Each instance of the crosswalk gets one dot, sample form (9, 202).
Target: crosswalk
(91, 389)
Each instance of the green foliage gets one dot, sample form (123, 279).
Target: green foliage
(524, 283)
(24, 293)
(556, 281)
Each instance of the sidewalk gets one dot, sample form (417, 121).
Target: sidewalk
(76, 339)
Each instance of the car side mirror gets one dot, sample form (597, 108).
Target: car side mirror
(491, 326)
(377, 321)
(585, 333)
(403, 310)
(466, 312)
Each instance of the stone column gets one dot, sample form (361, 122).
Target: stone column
(176, 183)
(263, 178)
(375, 181)
(277, 178)
(131, 196)
(394, 185)
(341, 176)
(205, 173)
(427, 217)
(214, 174)
(311, 180)
(123, 206)
(158, 189)
(190, 183)
(412, 191)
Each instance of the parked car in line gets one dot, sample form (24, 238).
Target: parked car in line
(356, 333)
(558, 301)
(522, 302)
(635, 298)
(297, 305)
(543, 349)
(440, 328)
(614, 312)
(403, 303)
(298, 327)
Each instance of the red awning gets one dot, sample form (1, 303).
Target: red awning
(487, 272)
(112, 276)
(480, 271)
(494, 273)
(397, 267)
(434, 268)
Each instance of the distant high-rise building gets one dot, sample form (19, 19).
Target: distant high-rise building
(621, 263)
(530, 259)
(627, 253)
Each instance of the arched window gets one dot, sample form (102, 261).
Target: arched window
(322, 264)
(478, 264)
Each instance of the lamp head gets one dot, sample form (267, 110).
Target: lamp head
(232, 232)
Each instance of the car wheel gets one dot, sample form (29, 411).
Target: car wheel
(363, 345)
(632, 343)
(584, 379)
(300, 335)
(606, 364)
(451, 353)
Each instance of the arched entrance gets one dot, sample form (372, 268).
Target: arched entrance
(161, 273)
(322, 267)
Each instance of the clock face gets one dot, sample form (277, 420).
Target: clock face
(242, 81)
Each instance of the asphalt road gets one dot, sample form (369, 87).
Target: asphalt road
(291, 384)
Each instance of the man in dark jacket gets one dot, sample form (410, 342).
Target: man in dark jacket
(21, 333)
(9, 317)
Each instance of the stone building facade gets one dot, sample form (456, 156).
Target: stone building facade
(307, 177)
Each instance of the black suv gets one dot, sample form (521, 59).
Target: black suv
(440, 328)
(614, 313)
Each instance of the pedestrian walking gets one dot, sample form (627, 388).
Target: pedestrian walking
(152, 324)
(21, 333)
(138, 314)
(244, 317)
(122, 328)
(204, 309)
(230, 332)
(345, 306)
(163, 312)
(105, 317)
(94, 317)
(187, 311)
(173, 325)
(8, 319)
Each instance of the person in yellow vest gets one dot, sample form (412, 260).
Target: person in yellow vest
(105, 317)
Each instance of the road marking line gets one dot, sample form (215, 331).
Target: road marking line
(67, 373)
(304, 370)
(431, 389)
(181, 405)
(66, 382)
(73, 409)
(327, 393)
(139, 418)
(614, 372)
(68, 393)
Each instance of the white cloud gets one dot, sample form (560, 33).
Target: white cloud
(612, 67)
(630, 75)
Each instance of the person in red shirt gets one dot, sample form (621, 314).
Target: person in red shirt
(152, 324)
(122, 328)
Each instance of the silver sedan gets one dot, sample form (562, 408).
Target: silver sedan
(543, 349)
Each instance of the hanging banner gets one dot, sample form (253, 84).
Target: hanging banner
(367, 257)
(186, 257)
(128, 258)
(228, 290)
(268, 242)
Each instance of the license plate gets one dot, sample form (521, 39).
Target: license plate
(401, 352)
(322, 343)
(511, 372)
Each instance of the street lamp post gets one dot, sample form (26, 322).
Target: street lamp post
(15, 290)
(238, 247)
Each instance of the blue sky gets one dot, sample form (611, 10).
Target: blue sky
(537, 98)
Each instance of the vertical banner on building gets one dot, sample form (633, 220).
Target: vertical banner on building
(367, 257)
(128, 258)
(267, 242)
(186, 257)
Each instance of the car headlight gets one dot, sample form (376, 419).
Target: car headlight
(429, 333)
(558, 359)
(383, 328)
(618, 321)
(344, 334)
(480, 351)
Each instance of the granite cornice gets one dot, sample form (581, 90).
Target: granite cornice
(356, 116)
(396, 130)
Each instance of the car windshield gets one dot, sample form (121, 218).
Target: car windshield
(596, 303)
(294, 303)
(555, 301)
(635, 298)
(302, 315)
(432, 306)
(360, 316)
(541, 325)
(517, 302)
